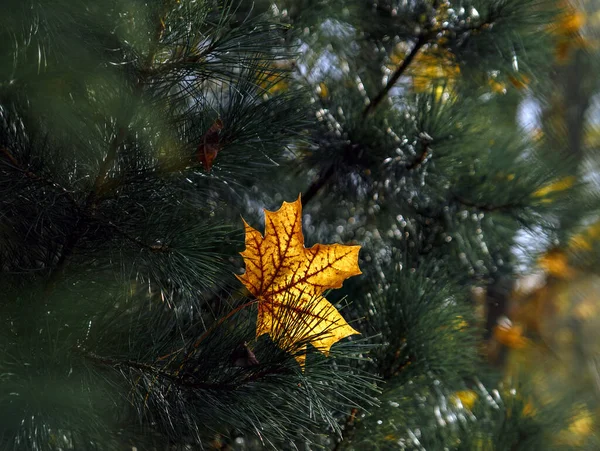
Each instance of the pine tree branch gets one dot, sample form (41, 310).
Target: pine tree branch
(170, 66)
(486, 207)
(70, 243)
(348, 430)
(421, 41)
(122, 129)
(425, 140)
(115, 363)
(326, 176)
(316, 186)
(156, 248)
(218, 323)
(107, 163)
(38, 178)
(175, 378)
(253, 377)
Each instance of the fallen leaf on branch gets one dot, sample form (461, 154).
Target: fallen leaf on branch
(289, 280)
(210, 145)
(243, 357)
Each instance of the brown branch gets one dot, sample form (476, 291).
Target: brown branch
(420, 159)
(326, 176)
(38, 178)
(348, 429)
(421, 41)
(425, 141)
(247, 380)
(119, 363)
(174, 378)
(316, 186)
(100, 181)
(158, 248)
(212, 329)
(485, 207)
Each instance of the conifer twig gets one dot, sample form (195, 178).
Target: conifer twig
(99, 182)
(421, 41)
(158, 248)
(485, 207)
(38, 178)
(316, 186)
(174, 377)
(239, 308)
(325, 177)
(348, 429)
(425, 141)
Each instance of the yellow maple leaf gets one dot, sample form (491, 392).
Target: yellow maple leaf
(288, 281)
